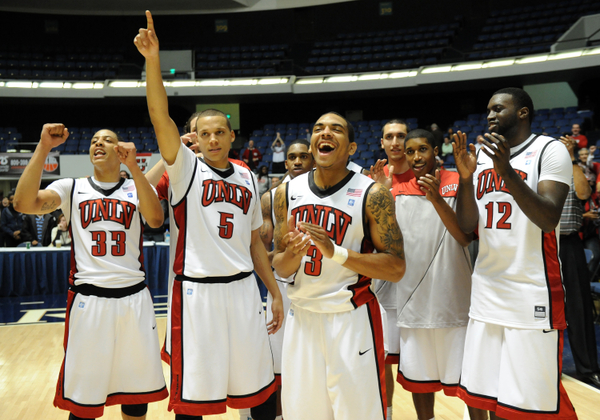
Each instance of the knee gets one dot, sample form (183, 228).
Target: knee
(267, 410)
(135, 410)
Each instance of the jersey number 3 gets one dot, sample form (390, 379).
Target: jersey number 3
(99, 249)
(313, 267)
(505, 209)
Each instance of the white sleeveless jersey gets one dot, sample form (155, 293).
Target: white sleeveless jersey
(320, 284)
(106, 230)
(436, 287)
(517, 279)
(216, 212)
(273, 220)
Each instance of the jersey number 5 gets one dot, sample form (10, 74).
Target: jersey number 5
(505, 209)
(226, 226)
(99, 249)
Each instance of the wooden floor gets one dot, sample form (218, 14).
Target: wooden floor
(30, 357)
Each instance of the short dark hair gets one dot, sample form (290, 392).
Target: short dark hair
(300, 141)
(419, 133)
(188, 125)
(213, 113)
(117, 135)
(520, 98)
(348, 125)
(394, 121)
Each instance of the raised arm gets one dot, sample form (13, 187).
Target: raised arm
(466, 163)
(290, 244)
(167, 133)
(430, 185)
(150, 206)
(543, 207)
(582, 186)
(388, 263)
(29, 198)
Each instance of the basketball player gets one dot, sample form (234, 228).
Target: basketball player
(513, 193)
(159, 179)
(328, 221)
(217, 325)
(433, 297)
(396, 171)
(298, 161)
(111, 344)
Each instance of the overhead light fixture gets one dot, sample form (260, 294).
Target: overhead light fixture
(341, 79)
(241, 82)
(310, 81)
(534, 59)
(441, 69)
(470, 66)
(276, 81)
(500, 63)
(51, 85)
(402, 74)
(22, 85)
(183, 83)
(83, 86)
(376, 76)
(592, 51)
(212, 83)
(562, 56)
(124, 84)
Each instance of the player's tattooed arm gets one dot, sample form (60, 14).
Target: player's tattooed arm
(266, 230)
(50, 203)
(388, 263)
(290, 244)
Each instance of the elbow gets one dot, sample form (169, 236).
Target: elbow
(398, 272)
(156, 222)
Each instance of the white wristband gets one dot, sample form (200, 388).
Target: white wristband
(340, 254)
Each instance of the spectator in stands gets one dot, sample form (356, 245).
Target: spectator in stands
(576, 277)
(264, 182)
(590, 168)
(479, 142)
(591, 241)
(446, 148)
(437, 135)
(252, 157)
(12, 224)
(124, 174)
(278, 148)
(37, 229)
(233, 154)
(308, 134)
(580, 140)
(275, 181)
(60, 232)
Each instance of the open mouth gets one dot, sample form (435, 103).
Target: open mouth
(326, 148)
(99, 152)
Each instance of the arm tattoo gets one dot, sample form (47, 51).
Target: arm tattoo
(50, 205)
(266, 230)
(280, 219)
(381, 205)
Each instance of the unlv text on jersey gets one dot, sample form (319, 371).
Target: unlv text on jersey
(109, 209)
(334, 221)
(219, 190)
(489, 181)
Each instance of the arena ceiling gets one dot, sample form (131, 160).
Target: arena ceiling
(135, 7)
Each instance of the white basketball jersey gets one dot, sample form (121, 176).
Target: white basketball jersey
(435, 290)
(517, 279)
(320, 284)
(106, 231)
(216, 212)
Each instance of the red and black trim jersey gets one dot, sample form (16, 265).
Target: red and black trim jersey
(320, 284)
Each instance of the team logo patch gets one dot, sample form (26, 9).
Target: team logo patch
(351, 202)
(354, 192)
(528, 162)
(130, 195)
(247, 182)
(189, 291)
(539, 312)
(81, 305)
(291, 313)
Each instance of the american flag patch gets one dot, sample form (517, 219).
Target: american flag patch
(245, 175)
(352, 192)
(130, 188)
(529, 155)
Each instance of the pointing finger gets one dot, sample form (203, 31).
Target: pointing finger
(149, 21)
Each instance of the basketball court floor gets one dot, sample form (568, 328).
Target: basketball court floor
(31, 337)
